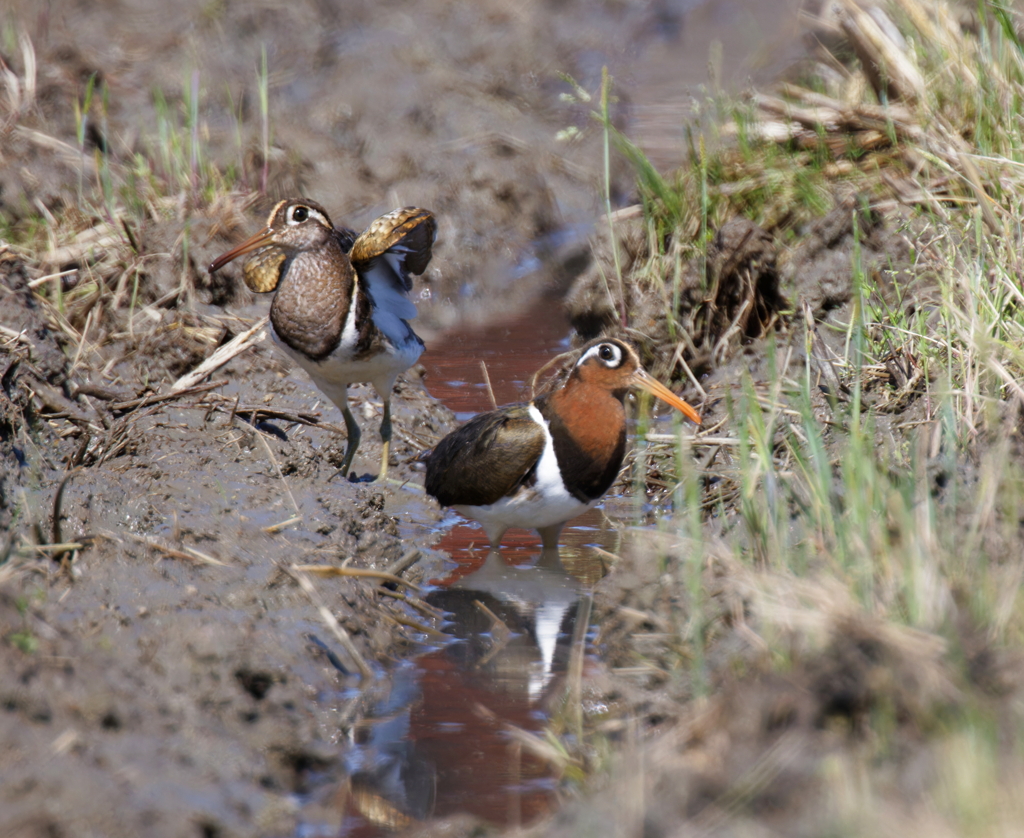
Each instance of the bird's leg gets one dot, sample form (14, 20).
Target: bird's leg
(353, 438)
(549, 536)
(495, 560)
(551, 558)
(495, 532)
(385, 438)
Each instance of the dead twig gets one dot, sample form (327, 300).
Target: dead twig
(487, 381)
(405, 621)
(58, 499)
(253, 414)
(57, 403)
(154, 398)
(424, 608)
(500, 635)
(275, 528)
(280, 474)
(186, 553)
(355, 572)
(57, 549)
(693, 440)
(403, 564)
(330, 620)
(229, 350)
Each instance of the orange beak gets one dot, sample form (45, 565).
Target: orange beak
(254, 242)
(644, 381)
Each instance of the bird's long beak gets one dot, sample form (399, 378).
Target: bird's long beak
(644, 381)
(252, 243)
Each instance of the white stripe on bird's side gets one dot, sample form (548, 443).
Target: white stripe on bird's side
(543, 504)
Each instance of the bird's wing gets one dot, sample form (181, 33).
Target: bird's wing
(346, 237)
(386, 254)
(486, 459)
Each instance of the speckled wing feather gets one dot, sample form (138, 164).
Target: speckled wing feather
(392, 248)
(488, 458)
(407, 235)
(262, 271)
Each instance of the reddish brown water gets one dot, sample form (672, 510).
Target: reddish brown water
(445, 740)
(445, 737)
(467, 545)
(512, 351)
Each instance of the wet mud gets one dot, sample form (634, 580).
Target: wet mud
(162, 672)
(200, 654)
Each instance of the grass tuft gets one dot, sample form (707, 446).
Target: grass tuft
(855, 506)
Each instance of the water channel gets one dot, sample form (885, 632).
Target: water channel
(449, 731)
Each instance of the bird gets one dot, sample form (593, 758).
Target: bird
(341, 304)
(539, 464)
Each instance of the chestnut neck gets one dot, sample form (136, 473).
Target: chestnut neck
(588, 428)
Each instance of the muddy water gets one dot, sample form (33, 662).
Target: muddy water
(443, 739)
(505, 352)
(446, 738)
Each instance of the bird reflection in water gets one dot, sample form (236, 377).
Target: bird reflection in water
(444, 739)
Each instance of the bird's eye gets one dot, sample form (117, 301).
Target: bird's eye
(609, 355)
(300, 214)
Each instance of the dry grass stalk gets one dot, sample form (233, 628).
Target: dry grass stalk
(234, 347)
(276, 528)
(424, 608)
(55, 550)
(892, 73)
(400, 620)
(355, 573)
(408, 559)
(187, 553)
(152, 399)
(331, 621)
(280, 474)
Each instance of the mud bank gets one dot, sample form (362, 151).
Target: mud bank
(206, 631)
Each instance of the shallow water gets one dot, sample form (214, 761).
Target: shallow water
(448, 735)
(445, 737)
(511, 349)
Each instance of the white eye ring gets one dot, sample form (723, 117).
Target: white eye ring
(608, 354)
(309, 215)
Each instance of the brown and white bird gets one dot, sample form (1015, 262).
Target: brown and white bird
(537, 465)
(341, 308)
